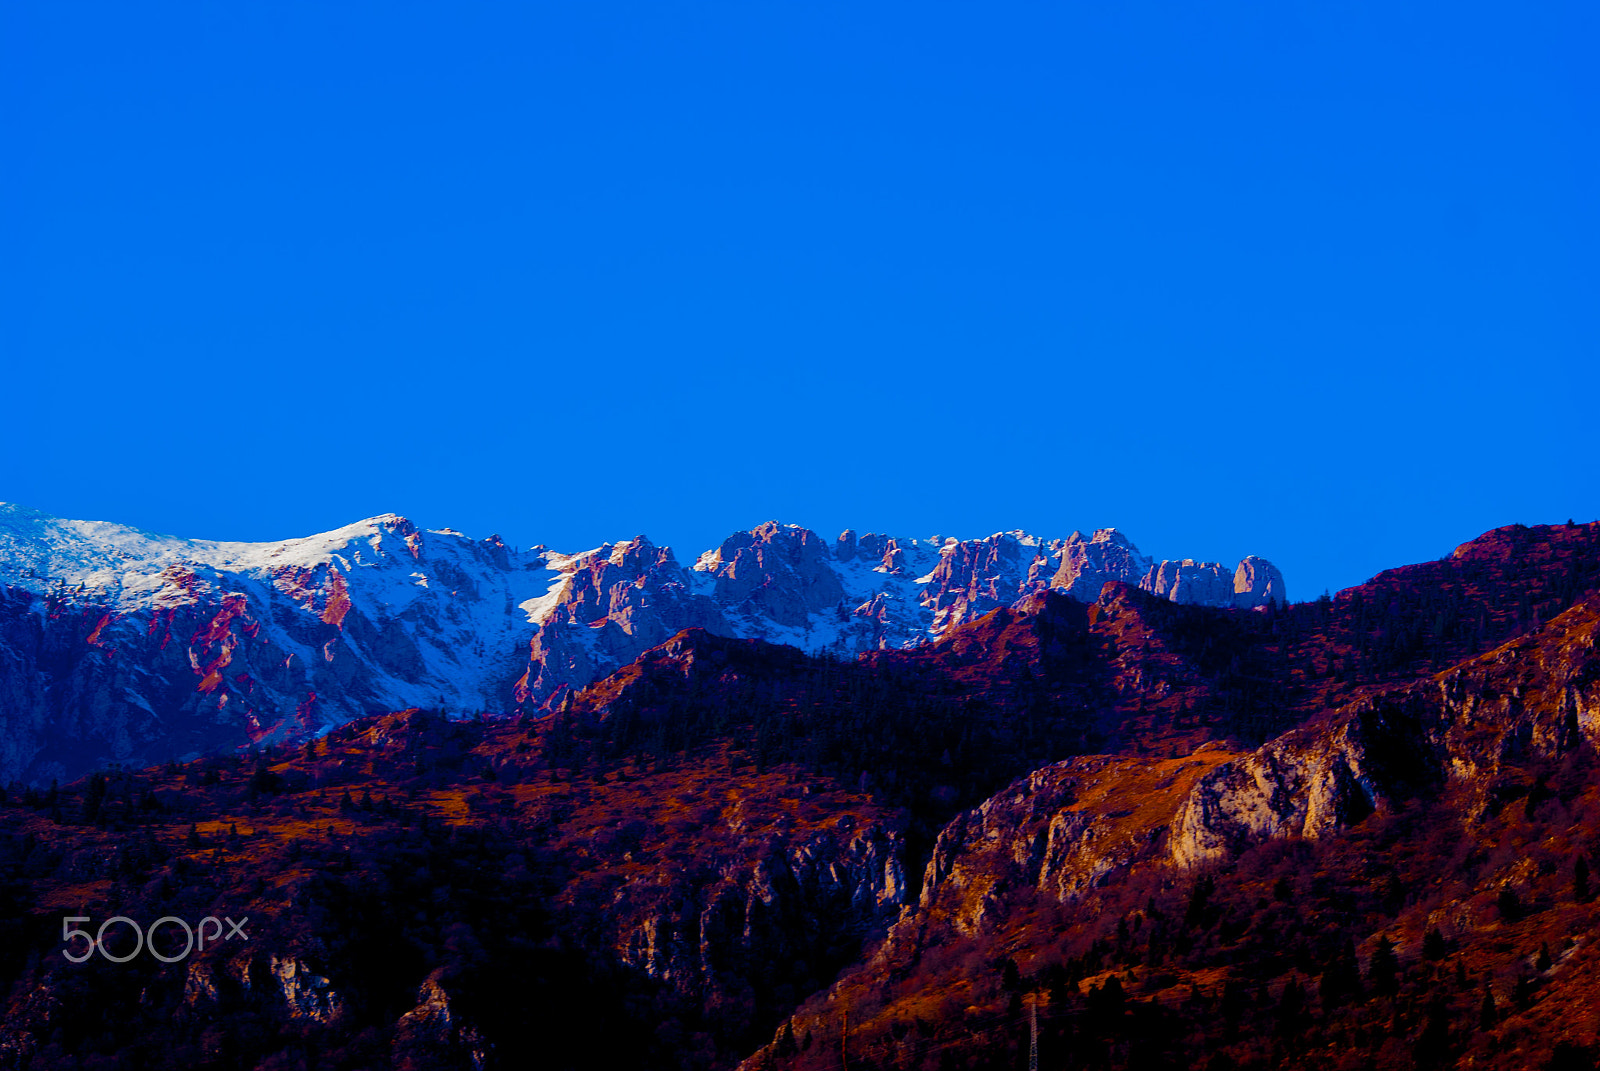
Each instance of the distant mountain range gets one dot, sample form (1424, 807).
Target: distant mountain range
(1357, 832)
(118, 645)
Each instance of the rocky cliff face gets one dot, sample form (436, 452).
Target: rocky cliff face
(607, 606)
(1189, 581)
(775, 574)
(980, 575)
(435, 1034)
(770, 916)
(1536, 696)
(1087, 565)
(1061, 830)
(286, 982)
(1308, 785)
(1254, 582)
(1257, 582)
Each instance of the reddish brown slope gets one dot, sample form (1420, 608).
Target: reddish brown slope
(1273, 954)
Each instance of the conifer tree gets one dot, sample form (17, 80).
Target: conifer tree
(1384, 969)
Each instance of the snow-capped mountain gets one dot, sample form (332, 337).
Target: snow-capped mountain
(123, 645)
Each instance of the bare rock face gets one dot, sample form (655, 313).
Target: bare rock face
(883, 552)
(1191, 583)
(433, 1034)
(305, 993)
(980, 575)
(1257, 582)
(287, 982)
(608, 606)
(716, 935)
(778, 573)
(1306, 785)
(613, 581)
(1060, 831)
(1025, 836)
(1087, 564)
(1539, 694)
(844, 548)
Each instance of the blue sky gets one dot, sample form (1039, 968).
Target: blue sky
(1311, 281)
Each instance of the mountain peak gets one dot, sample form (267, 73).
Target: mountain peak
(1110, 535)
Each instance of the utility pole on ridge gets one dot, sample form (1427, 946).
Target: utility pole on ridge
(1033, 1033)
